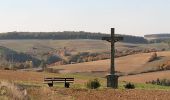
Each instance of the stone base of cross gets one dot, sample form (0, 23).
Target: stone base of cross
(112, 79)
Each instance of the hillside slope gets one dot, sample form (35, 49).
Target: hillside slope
(136, 63)
(8, 56)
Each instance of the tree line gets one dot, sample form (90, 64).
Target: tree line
(67, 35)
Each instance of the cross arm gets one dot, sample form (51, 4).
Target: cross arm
(116, 39)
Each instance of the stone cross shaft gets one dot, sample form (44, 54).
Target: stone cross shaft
(112, 39)
(112, 79)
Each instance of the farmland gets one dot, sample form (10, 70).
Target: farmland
(134, 68)
(131, 64)
(78, 44)
(61, 52)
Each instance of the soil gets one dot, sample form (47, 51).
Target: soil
(110, 94)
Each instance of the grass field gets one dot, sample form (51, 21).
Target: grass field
(79, 45)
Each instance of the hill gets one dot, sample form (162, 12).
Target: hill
(9, 56)
(127, 65)
(58, 52)
(157, 38)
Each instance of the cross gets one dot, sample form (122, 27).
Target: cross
(112, 79)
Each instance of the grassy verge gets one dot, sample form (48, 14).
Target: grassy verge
(145, 86)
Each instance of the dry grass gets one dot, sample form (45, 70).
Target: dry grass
(21, 76)
(45, 93)
(10, 91)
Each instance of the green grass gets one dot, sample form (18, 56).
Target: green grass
(146, 86)
(103, 82)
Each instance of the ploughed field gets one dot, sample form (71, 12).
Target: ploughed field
(136, 63)
(104, 94)
(123, 64)
(137, 66)
(110, 94)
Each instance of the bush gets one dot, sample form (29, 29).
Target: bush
(153, 57)
(129, 86)
(163, 82)
(53, 58)
(93, 84)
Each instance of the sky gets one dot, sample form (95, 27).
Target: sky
(131, 17)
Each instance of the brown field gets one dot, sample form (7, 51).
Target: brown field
(34, 77)
(104, 94)
(123, 64)
(145, 77)
(21, 76)
(110, 94)
(126, 64)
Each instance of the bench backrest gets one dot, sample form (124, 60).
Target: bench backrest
(58, 79)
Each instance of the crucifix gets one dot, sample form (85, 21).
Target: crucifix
(112, 78)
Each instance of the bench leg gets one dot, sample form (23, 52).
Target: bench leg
(50, 84)
(67, 85)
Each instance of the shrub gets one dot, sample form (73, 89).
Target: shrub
(53, 58)
(93, 84)
(163, 82)
(129, 86)
(153, 57)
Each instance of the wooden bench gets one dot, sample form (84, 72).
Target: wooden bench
(50, 81)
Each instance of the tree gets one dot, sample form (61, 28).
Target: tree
(43, 65)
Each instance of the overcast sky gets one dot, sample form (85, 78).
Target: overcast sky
(134, 17)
